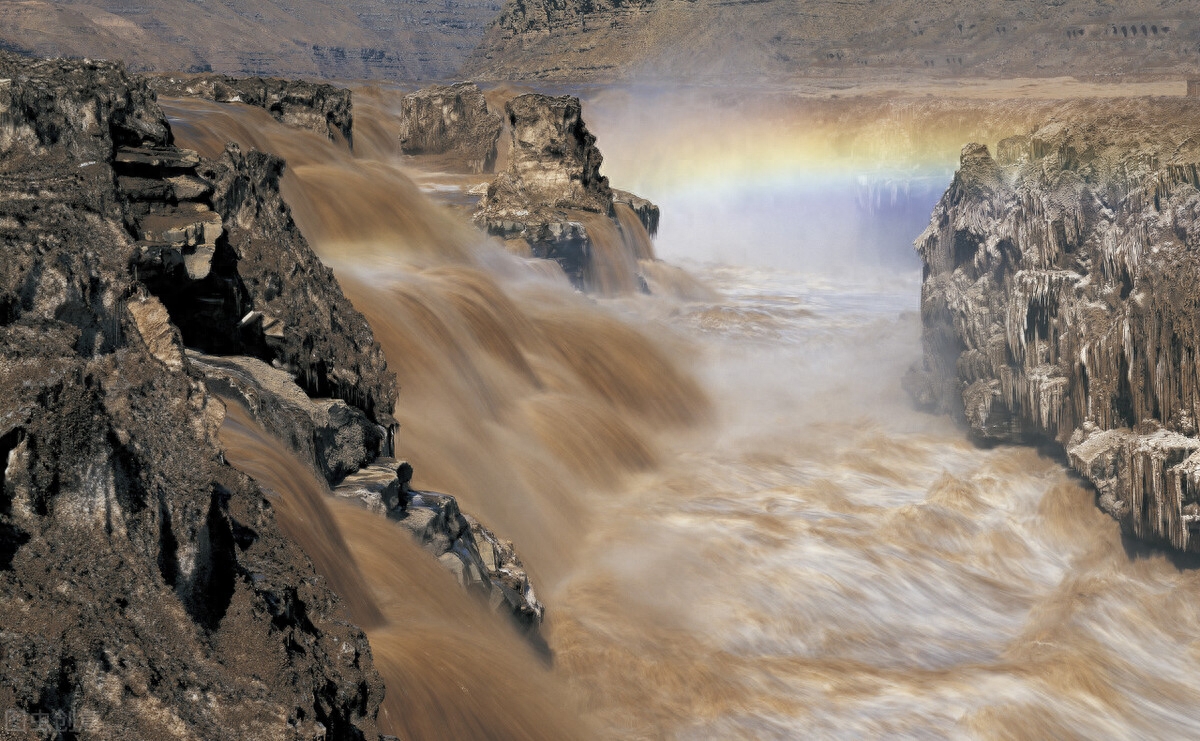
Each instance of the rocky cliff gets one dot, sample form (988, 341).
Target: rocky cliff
(323, 109)
(1060, 302)
(553, 197)
(145, 588)
(451, 120)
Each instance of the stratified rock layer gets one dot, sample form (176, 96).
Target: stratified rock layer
(323, 109)
(1062, 297)
(773, 40)
(145, 589)
(454, 120)
(348, 40)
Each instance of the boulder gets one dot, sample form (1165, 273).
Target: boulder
(480, 561)
(453, 120)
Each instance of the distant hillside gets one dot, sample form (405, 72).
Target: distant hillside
(780, 39)
(603, 40)
(358, 39)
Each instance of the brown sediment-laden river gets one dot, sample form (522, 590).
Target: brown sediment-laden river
(739, 524)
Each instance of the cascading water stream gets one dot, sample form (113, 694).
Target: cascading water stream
(738, 523)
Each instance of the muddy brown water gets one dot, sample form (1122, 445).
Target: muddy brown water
(739, 526)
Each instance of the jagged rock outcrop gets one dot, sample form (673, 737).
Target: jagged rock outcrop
(336, 437)
(453, 120)
(271, 291)
(145, 588)
(554, 164)
(320, 108)
(480, 561)
(553, 197)
(646, 212)
(1060, 301)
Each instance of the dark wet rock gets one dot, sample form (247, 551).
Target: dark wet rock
(335, 436)
(272, 293)
(480, 561)
(318, 107)
(145, 589)
(1060, 303)
(453, 120)
(646, 211)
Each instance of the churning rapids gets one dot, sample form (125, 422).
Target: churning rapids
(738, 523)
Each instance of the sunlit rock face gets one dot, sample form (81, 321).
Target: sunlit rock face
(773, 40)
(1061, 296)
(553, 198)
(554, 162)
(454, 120)
(145, 588)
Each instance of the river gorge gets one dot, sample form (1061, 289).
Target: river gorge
(691, 493)
(754, 534)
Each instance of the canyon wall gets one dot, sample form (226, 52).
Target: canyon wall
(148, 295)
(146, 590)
(1060, 303)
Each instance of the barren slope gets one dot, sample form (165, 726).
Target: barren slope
(359, 39)
(779, 39)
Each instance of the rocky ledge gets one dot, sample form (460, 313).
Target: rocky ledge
(480, 561)
(354, 456)
(451, 120)
(552, 191)
(318, 107)
(1061, 297)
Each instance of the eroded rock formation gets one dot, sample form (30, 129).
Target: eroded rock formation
(323, 109)
(453, 120)
(145, 589)
(553, 197)
(1061, 299)
(117, 508)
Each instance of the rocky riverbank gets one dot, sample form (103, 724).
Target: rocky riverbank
(1059, 303)
(146, 589)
